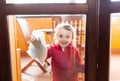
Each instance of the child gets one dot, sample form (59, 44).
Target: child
(64, 55)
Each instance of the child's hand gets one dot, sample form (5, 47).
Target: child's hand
(35, 41)
(46, 64)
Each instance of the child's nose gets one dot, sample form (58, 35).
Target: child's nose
(64, 39)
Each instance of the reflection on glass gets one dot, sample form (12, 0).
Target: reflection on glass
(41, 52)
(115, 0)
(44, 1)
(115, 47)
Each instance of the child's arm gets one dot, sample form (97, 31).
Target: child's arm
(49, 54)
(80, 67)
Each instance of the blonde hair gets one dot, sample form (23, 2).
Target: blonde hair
(66, 26)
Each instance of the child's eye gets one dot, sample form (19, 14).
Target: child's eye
(60, 36)
(67, 36)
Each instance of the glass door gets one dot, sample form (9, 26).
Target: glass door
(90, 40)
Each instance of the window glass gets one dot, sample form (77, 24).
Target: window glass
(22, 30)
(44, 1)
(115, 0)
(115, 47)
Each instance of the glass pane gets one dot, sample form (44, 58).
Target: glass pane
(44, 1)
(115, 0)
(115, 47)
(34, 38)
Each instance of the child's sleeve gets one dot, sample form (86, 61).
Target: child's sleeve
(49, 52)
(79, 65)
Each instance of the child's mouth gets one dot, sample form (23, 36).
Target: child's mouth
(63, 43)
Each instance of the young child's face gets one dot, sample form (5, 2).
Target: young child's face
(64, 37)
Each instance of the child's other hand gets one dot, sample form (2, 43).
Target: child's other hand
(32, 38)
(35, 41)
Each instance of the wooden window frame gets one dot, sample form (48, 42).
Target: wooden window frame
(92, 33)
(106, 9)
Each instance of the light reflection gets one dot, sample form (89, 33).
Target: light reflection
(115, 0)
(44, 1)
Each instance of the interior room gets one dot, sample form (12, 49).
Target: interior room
(96, 24)
(24, 26)
(29, 70)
